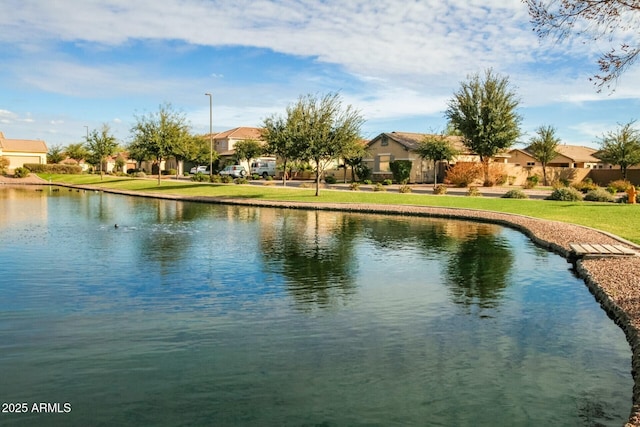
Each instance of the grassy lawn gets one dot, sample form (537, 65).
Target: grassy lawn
(619, 219)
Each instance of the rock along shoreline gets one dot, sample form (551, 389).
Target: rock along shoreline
(614, 281)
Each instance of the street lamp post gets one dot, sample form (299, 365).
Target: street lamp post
(210, 134)
(87, 128)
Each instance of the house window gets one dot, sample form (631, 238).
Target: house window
(385, 141)
(531, 163)
(383, 163)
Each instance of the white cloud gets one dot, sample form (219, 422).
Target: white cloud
(403, 58)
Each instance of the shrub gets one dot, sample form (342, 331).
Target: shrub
(140, 174)
(200, 177)
(363, 172)
(463, 174)
(269, 178)
(599, 195)
(379, 187)
(4, 165)
(497, 175)
(330, 179)
(404, 189)
(241, 181)
(226, 179)
(567, 194)
(387, 182)
(367, 182)
(215, 178)
(401, 170)
(516, 193)
(355, 186)
(21, 172)
(512, 179)
(619, 185)
(474, 192)
(440, 189)
(255, 176)
(531, 181)
(585, 186)
(53, 168)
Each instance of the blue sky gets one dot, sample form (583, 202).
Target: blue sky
(67, 64)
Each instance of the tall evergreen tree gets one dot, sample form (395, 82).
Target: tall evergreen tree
(484, 112)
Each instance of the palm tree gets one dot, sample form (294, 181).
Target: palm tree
(543, 147)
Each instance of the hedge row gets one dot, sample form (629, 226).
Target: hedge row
(53, 168)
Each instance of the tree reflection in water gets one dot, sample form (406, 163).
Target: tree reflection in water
(315, 252)
(478, 270)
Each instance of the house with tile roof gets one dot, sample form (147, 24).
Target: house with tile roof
(390, 146)
(569, 156)
(21, 151)
(224, 142)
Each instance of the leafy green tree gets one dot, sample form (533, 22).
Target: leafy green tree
(352, 157)
(437, 148)
(248, 149)
(100, 145)
(621, 147)
(120, 162)
(77, 152)
(195, 149)
(595, 20)
(280, 135)
(543, 147)
(324, 131)
(160, 134)
(55, 154)
(484, 111)
(137, 152)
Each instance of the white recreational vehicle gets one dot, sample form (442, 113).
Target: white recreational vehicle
(264, 167)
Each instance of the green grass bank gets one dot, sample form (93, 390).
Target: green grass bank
(619, 219)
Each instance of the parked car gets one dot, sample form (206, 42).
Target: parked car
(234, 171)
(198, 169)
(264, 168)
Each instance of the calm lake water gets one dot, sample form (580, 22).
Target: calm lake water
(195, 314)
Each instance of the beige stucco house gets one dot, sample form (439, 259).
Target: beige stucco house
(21, 151)
(569, 156)
(390, 146)
(224, 142)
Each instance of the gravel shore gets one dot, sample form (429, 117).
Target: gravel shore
(614, 281)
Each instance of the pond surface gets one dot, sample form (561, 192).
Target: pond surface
(196, 314)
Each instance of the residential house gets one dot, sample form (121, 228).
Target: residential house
(22, 151)
(390, 146)
(224, 142)
(569, 156)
